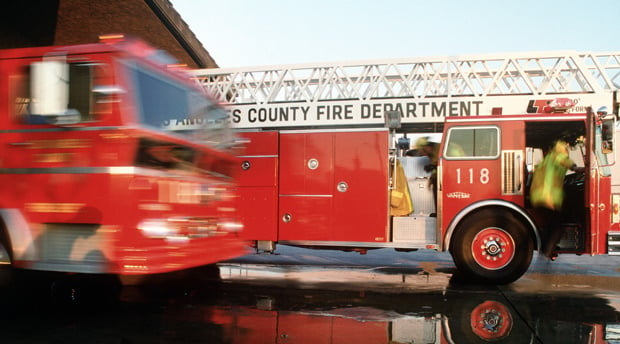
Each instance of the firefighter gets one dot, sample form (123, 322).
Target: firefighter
(426, 147)
(547, 192)
(430, 149)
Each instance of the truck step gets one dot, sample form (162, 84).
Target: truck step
(613, 243)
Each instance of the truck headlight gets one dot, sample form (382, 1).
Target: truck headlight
(158, 228)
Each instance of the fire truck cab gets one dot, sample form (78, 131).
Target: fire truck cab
(358, 189)
(490, 227)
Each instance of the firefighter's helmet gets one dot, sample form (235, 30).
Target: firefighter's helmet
(423, 142)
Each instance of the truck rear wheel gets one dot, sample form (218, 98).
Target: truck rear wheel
(6, 268)
(492, 246)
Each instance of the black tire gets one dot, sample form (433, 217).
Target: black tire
(492, 246)
(6, 270)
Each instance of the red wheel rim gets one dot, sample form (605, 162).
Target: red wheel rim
(491, 320)
(493, 248)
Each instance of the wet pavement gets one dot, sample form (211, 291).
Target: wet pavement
(309, 296)
(424, 300)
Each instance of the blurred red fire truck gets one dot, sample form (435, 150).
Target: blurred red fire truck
(113, 161)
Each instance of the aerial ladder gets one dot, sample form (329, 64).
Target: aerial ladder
(425, 89)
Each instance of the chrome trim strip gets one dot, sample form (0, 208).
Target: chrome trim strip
(257, 156)
(360, 244)
(55, 170)
(114, 170)
(57, 129)
(319, 196)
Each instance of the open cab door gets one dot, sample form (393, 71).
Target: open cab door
(600, 144)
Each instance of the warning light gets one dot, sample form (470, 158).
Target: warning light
(559, 105)
(112, 38)
(177, 66)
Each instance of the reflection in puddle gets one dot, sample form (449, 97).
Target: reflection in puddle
(285, 315)
(255, 307)
(248, 325)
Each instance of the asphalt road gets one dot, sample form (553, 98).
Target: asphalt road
(598, 272)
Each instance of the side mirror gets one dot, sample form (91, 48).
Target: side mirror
(608, 127)
(49, 90)
(392, 119)
(108, 90)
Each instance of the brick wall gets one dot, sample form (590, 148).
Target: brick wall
(65, 22)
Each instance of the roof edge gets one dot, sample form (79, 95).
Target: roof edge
(182, 32)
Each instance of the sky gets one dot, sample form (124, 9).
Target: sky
(242, 33)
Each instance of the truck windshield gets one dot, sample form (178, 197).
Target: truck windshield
(165, 104)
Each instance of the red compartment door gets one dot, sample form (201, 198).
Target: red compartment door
(333, 186)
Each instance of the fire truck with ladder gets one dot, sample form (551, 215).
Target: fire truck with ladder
(326, 164)
(113, 162)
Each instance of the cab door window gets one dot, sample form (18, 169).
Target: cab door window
(472, 143)
(80, 90)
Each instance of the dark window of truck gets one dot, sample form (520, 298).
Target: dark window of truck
(80, 89)
(162, 102)
(167, 105)
(80, 93)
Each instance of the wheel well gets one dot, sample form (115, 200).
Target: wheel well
(16, 234)
(516, 212)
(5, 239)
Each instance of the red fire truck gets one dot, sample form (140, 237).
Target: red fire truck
(322, 171)
(104, 163)
(342, 189)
